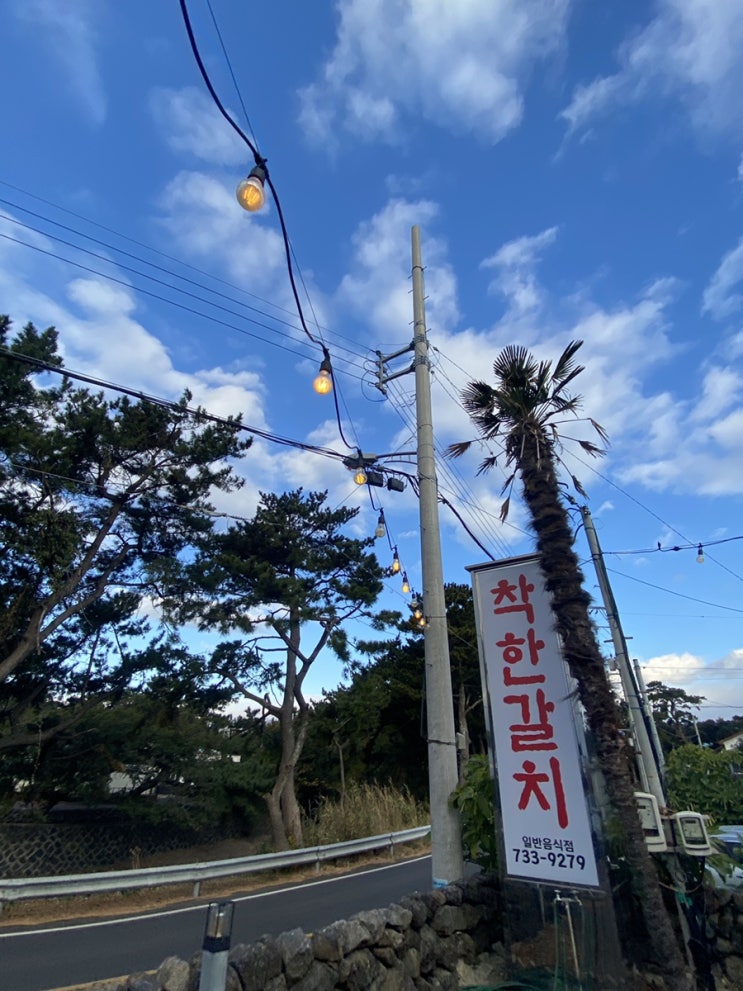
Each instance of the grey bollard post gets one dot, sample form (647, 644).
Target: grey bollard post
(216, 946)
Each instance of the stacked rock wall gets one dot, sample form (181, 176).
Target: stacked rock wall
(437, 941)
(48, 849)
(724, 938)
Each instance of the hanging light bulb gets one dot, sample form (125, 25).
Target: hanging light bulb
(417, 611)
(700, 555)
(323, 383)
(381, 530)
(395, 562)
(251, 193)
(360, 476)
(405, 583)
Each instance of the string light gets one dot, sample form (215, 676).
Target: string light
(323, 383)
(405, 583)
(395, 562)
(381, 530)
(700, 555)
(418, 617)
(251, 192)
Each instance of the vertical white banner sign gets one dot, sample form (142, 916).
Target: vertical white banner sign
(546, 824)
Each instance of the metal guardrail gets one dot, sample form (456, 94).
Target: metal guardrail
(16, 889)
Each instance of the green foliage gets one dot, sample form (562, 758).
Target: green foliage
(365, 810)
(287, 580)
(373, 729)
(474, 799)
(99, 498)
(673, 712)
(706, 781)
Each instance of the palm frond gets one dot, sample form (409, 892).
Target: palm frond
(508, 482)
(593, 449)
(487, 464)
(578, 487)
(458, 449)
(600, 431)
(566, 369)
(514, 365)
(504, 509)
(566, 404)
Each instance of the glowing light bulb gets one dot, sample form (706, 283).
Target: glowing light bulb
(405, 583)
(381, 530)
(251, 194)
(395, 562)
(323, 383)
(360, 476)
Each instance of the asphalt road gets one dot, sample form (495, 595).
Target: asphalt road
(54, 956)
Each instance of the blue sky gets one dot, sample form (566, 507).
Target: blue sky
(576, 170)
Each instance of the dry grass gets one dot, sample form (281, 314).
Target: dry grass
(368, 810)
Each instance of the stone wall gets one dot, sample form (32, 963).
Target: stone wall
(45, 849)
(724, 938)
(437, 941)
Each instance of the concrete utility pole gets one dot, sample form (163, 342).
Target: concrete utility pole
(446, 840)
(648, 761)
(446, 830)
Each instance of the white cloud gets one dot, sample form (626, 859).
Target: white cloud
(515, 264)
(712, 680)
(678, 670)
(190, 122)
(690, 50)
(67, 28)
(460, 65)
(377, 286)
(719, 300)
(721, 388)
(201, 213)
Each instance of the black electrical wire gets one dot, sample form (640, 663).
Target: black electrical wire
(704, 544)
(149, 292)
(231, 71)
(171, 258)
(44, 366)
(145, 275)
(261, 161)
(659, 588)
(159, 268)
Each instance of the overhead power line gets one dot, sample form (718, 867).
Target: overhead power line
(168, 285)
(670, 591)
(163, 254)
(233, 424)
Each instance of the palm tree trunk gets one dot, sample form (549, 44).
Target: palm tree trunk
(564, 581)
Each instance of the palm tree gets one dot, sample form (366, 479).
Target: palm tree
(523, 411)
